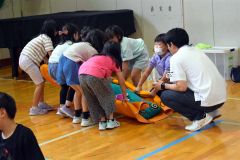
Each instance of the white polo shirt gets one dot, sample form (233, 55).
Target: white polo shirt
(192, 65)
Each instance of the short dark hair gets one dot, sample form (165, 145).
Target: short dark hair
(9, 104)
(49, 28)
(114, 30)
(96, 38)
(113, 50)
(160, 38)
(84, 31)
(69, 30)
(178, 37)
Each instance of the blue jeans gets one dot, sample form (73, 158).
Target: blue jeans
(185, 104)
(52, 70)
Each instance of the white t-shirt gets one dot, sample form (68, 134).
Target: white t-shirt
(37, 48)
(202, 76)
(58, 51)
(80, 52)
(131, 48)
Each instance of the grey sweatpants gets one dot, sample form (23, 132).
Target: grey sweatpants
(99, 95)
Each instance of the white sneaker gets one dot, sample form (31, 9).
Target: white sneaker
(37, 111)
(198, 124)
(102, 126)
(67, 111)
(215, 114)
(112, 124)
(86, 122)
(76, 120)
(45, 106)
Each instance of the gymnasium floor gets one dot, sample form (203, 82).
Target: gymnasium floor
(166, 140)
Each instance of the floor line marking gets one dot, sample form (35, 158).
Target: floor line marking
(66, 135)
(224, 122)
(232, 98)
(231, 123)
(178, 141)
(71, 133)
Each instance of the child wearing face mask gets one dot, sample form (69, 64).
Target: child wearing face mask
(160, 61)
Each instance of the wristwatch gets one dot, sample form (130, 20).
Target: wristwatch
(163, 86)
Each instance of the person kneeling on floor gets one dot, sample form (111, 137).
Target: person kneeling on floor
(197, 89)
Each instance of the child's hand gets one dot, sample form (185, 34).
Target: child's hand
(153, 92)
(45, 60)
(138, 89)
(125, 97)
(157, 85)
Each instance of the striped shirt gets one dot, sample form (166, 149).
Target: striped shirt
(80, 52)
(37, 48)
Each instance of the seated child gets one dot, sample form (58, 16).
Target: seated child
(133, 51)
(17, 142)
(160, 61)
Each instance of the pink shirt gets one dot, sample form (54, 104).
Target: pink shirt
(99, 66)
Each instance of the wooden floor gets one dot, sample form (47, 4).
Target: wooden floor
(166, 140)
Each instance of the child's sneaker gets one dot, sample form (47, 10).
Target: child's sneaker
(112, 124)
(45, 106)
(76, 120)
(37, 111)
(60, 113)
(198, 124)
(102, 126)
(86, 122)
(67, 111)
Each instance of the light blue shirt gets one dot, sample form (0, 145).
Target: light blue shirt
(131, 48)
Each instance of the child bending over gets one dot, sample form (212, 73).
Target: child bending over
(133, 51)
(67, 71)
(94, 77)
(69, 34)
(29, 61)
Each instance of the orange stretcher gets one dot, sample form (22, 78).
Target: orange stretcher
(129, 109)
(46, 76)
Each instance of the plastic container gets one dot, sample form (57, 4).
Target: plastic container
(224, 58)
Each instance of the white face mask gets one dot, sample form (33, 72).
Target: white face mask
(158, 50)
